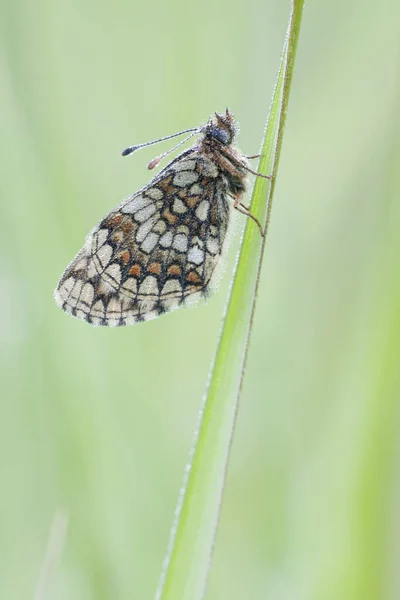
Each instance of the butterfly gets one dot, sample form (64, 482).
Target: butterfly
(160, 246)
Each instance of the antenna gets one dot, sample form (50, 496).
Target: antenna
(153, 163)
(168, 137)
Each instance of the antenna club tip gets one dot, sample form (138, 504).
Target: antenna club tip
(153, 163)
(128, 151)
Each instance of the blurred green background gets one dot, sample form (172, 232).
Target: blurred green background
(100, 422)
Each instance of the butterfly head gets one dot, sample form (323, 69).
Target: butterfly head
(223, 128)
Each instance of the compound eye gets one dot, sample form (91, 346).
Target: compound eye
(221, 135)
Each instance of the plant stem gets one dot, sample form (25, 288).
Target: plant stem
(186, 566)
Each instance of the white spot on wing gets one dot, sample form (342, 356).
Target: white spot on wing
(66, 287)
(183, 229)
(81, 264)
(213, 230)
(208, 168)
(212, 245)
(100, 237)
(196, 241)
(160, 227)
(172, 286)
(171, 302)
(105, 288)
(145, 213)
(98, 310)
(129, 288)
(195, 255)
(166, 240)
(154, 193)
(185, 178)
(87, 294)
(103, 255)
(145, 229)
(150, 242)
(149, 286)
(135, 204)
(180, 242)
(114, 308)
(184, 165)
(112, 275)
(147, 307)
(202, 210)
(179, 206)
(91, 272)
(195, 190)
(75, 292)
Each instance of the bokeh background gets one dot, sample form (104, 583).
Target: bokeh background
(99, 422)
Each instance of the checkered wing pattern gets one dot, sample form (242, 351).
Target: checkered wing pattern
(159, 247)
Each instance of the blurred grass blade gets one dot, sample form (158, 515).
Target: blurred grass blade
(52, 555)
(185, 570)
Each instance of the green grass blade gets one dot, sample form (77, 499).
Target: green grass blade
(187, 563)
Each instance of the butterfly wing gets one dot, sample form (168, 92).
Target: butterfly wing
(159, 247)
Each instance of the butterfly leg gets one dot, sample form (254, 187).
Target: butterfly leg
(237, 205)
(258, 174)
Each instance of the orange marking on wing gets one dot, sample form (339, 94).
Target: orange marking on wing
(191, 201)
(168, 216)
(135, 270)
(117, 236)
(120, 223)
(154, 268)
(166, 186)
(203, 231)
(214, 215)
(127, 226)
(125, 256)
(193, 277)
(114, 220)
(174, 270)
